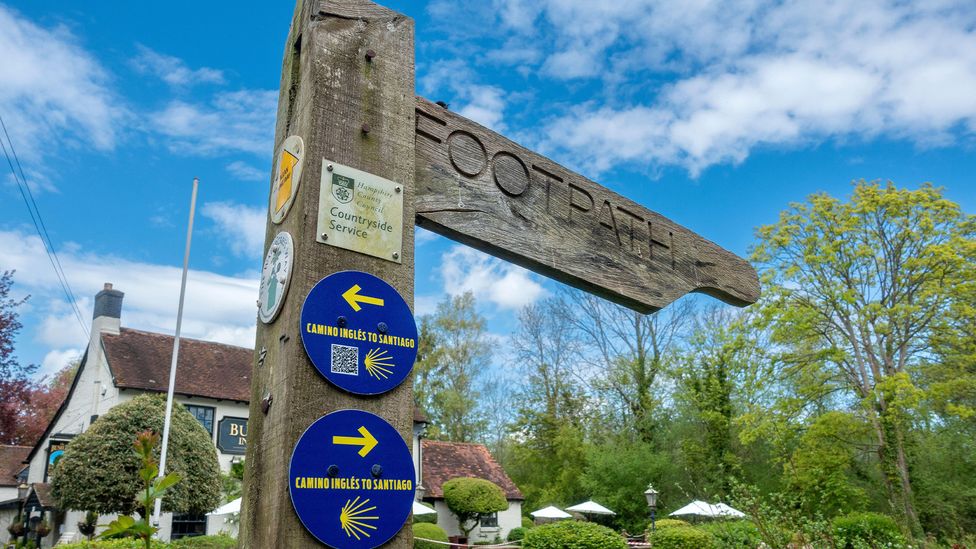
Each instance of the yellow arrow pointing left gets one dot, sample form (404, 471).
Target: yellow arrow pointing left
(367, 441)
(353, 298)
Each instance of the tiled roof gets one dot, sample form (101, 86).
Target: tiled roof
(444, 461)
(43, 492)
(11, 462)
(141, 360)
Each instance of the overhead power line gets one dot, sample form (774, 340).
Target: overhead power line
(40, 227)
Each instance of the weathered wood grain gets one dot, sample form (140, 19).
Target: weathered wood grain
(328, 91)
(483, 190)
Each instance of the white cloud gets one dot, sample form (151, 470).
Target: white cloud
(55, 360)
(239, 121)
(173, 70)
(506, 285)
(701, 83)
(422, 236)
(217, 306)
(52, 91)
(425, 304)
(242, 227)
(484, 104)
(246, 172)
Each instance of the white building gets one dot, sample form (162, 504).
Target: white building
(443, 461)
(213, 382)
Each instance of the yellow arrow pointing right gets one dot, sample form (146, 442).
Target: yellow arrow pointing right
(367, 441)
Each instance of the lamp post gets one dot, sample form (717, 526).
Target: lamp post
(651, 495)
(420, 492)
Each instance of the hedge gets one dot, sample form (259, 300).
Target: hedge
(516, 534)
(573, 535)
(220, 541)
(681, 537)
(428, 531)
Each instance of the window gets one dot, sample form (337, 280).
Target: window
(187, 526)
(489, 520)
(204, 414)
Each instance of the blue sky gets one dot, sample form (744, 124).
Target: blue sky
(715, 114)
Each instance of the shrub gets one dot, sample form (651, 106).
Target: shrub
(667, 523)
(126, 543)
(100, 472)
(428, 531)
(681, 537)
(867, 530)
(527, 523)
(516, 534)
(220, 541)
(733, 534)
(468, 498)
(572, 535)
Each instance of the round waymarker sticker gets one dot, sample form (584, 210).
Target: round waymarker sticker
(275, 277)
(359, 332)
(351, 480)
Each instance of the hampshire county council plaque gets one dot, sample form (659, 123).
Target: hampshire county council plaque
(360, 211)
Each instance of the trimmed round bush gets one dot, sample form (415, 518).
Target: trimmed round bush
(99, 470)
(857, 530)
(681, 537)
(573, 535)
(516, 534)
(733, 534)
(428, 531)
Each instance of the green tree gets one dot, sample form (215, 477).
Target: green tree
(628, 349)
(550, 406)
(468, 498)
(99, 472)
(857, 289)
(453, 355)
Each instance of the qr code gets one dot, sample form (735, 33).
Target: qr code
(345, 360)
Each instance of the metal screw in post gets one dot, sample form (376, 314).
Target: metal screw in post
(398, 189)
(341, 321)
(333, 471)
(396, 255)
(329, 167)
(381, 327)
(266, 403)
(365, 128)
(370, 54)
(376, 470)
(325, 236)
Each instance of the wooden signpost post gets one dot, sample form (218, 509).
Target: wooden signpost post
(347, 110)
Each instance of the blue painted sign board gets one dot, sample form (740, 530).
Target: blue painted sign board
(352, 480)
(359, 332)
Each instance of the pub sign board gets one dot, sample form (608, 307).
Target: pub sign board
(351, 480)
(232, 435)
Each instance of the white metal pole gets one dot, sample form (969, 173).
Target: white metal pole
(176, 353)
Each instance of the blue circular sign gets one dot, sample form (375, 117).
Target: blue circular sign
(359, 332)
(351, 480)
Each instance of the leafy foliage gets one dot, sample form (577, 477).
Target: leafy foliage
(733, 534)
(451, 352)
(219, 541)
(573, 535)
(670, 523)
(99, 471)
(155, 487)
(515, 534)
(867, 530)
(681, 537)
(428, 531)
(469, 497)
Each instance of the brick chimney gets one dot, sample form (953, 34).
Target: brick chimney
(107, 317)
